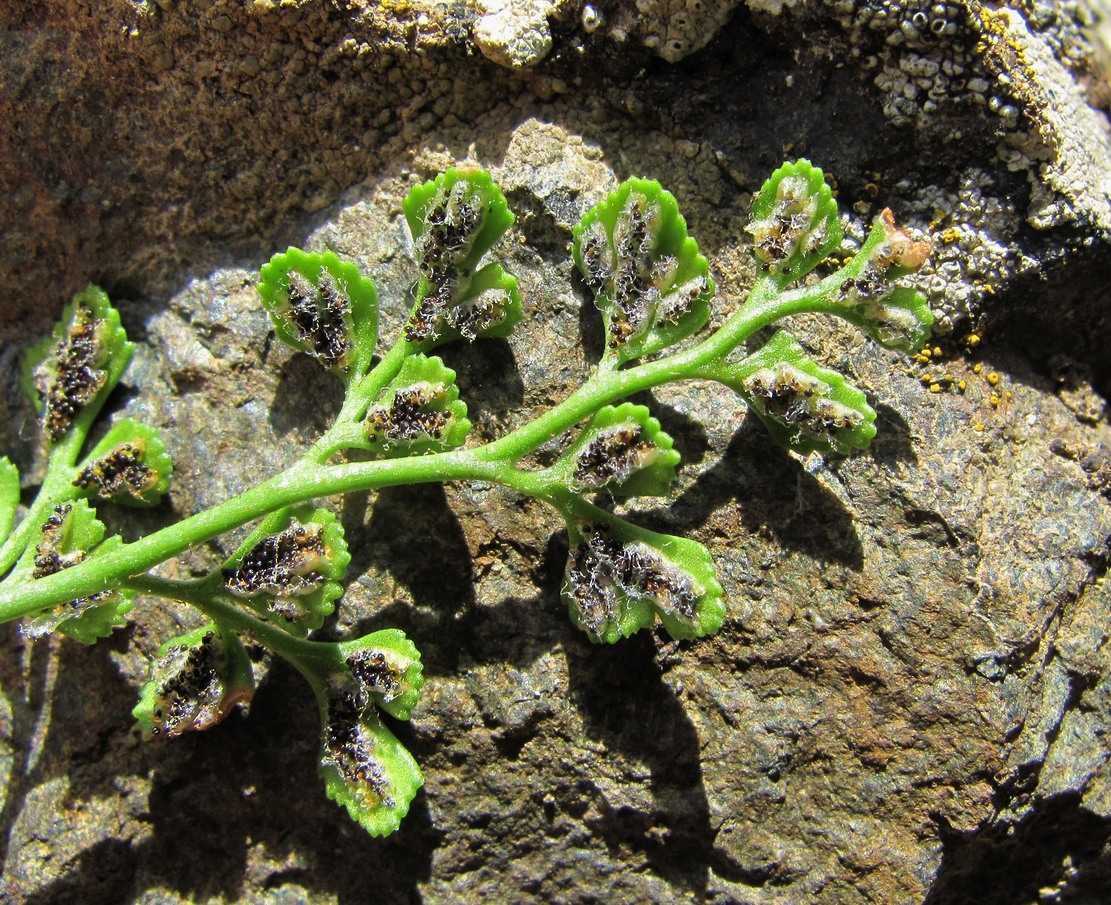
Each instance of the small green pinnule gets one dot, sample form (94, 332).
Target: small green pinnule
(650, 282)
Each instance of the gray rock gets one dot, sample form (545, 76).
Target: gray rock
(909, 699)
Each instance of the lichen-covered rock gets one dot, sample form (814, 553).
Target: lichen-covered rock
(513, 33)
(672, 29)
(908, 700)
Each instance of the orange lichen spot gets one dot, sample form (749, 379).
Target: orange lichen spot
(904, 251)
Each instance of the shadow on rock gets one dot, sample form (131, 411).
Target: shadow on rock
(247, 801)
(1059, 849)
(627, 706)
(414, 535)
(307, 398)
(774, 494)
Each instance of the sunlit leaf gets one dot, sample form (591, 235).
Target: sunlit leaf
(289, 569)
(794, 222)
(621, 578)
(322, 306)
(130, 465)
(649, 280)
(622, 450)
(69, 376)
(197, 680)
(419, 412)
(455, 220)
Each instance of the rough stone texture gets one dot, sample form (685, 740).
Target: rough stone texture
(911, 698)
(513, 34)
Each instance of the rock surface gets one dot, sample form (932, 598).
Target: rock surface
(911, 697)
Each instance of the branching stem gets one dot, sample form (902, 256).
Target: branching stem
(311, 478)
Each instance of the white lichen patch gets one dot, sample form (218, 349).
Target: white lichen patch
(972, 227)
(1018, 64)
(513, 33)
(1077, 175)
(974, 252)
(673, 28)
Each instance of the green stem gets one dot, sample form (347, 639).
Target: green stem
(347, 431)
(300, 652)
(304, 481)
(57, 487)
(765, 305)
(494, 462)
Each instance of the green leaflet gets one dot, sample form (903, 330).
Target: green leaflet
(894, 315)
(363, 765)
(196, 681)
(900, 320)
(290, 567)
(649, 280)
(69, 376)
(621, 450)
(322, 306)
(455, 219)
(419, 412)
(459, 216)
(806, 407)
(386, 665)
(69, 536)
(621, 578)
(793, 222)
(130, 466)
(9, 496)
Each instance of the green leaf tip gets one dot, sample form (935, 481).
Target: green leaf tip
(387, 668)
(621, 578)
(419, 412)
(794, 222)
(130, 466)
(322, 306)
(364, 766)
(196, 681)
(622, 450)
(805, 407)
(649, 280)
(895, 315)
(69, 375)
(290, 567)
(9, 496)
(455, 220)
(69, 535)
